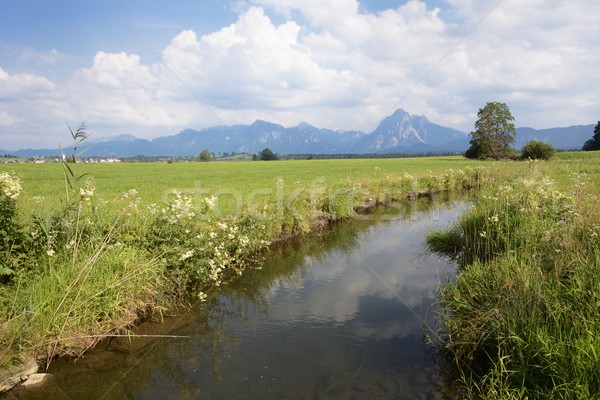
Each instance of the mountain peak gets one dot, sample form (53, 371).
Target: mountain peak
(402, 130)
(304, 124)
(262, 123)
(400, 112)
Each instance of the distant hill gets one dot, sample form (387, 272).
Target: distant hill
(400, 132)
(569, 138)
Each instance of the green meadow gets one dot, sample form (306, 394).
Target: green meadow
(152, 180)
(89, 252)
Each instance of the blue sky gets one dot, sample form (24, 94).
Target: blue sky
(152, 68)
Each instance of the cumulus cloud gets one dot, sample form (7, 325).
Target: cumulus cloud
(333, 64)
(17, 86)
(29, 108)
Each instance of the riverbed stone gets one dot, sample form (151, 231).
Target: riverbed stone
(34, 379)
(13, 375)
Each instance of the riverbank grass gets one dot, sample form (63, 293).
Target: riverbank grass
(522, 319)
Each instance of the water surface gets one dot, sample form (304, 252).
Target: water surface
(340, 315)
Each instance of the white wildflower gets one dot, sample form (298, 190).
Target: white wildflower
(210, 202)
(11, 185)
(87, 191)
(186, 255)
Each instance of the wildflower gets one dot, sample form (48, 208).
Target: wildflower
(11, 185)
(209, 202)
(483, 234)
(186, 255)
(202, 296)
(130, 192)
(87, 191)
(50, 252)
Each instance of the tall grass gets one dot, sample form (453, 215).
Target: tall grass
(522, 319)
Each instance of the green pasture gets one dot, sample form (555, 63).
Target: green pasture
(154, 180)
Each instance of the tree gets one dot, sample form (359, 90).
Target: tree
(594, 142)
(535, 150)
(494, 132)
(205, 155)
(268, 155)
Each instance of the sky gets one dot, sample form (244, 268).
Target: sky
(153, 68)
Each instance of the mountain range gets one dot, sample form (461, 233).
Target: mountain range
(400, 132)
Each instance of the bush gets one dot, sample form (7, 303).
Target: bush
(535, 150)
(10, 231)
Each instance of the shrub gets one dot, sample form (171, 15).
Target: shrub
(535, 150)
(10, 231)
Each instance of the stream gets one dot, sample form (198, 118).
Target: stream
(342, 314)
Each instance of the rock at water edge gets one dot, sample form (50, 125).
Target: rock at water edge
(34, 379)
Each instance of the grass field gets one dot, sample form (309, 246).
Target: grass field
(152, 180)
(130, 240)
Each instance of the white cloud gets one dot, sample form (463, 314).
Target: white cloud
(333, 65)
(119, 89)
(17, 86)
(30, 107)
